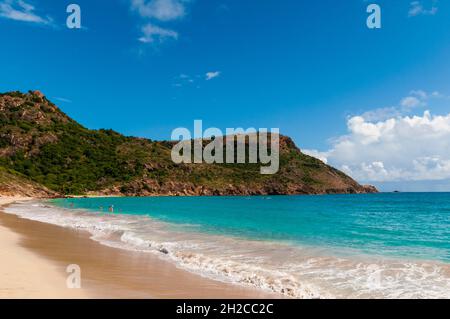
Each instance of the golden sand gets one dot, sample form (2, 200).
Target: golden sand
(34, 257)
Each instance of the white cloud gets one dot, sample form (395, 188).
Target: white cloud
(188, 80)
(420, 93)
(323, 156)
(63, 99)
(417, 8)
(212, 75)
(164, 10)
(410, 102)
(20, 10)
(155, 12)
(151, 33)
(403, 148)
(415, 99)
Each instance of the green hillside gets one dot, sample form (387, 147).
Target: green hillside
(43, 144)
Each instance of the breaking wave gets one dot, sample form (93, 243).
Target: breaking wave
(290, 270)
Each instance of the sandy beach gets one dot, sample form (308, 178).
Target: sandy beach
(23, 274)
(35, 257)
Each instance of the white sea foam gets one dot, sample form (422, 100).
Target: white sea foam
(293, 271)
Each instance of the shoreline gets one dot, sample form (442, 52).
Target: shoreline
(106, 272)
(24, 274)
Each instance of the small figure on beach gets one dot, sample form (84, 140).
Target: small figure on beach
(111, 209)
(71, 205)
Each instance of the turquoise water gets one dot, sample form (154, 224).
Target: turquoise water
(336, 246)
(412, 225)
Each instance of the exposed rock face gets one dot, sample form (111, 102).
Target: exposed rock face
(370, 189)
(43, 144)
(12, 184)
(38, 94)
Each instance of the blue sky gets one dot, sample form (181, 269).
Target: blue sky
(306, 67)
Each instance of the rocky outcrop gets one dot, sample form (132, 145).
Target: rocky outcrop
(370, 189)
(13, 185)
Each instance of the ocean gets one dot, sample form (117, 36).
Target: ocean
(388, 245)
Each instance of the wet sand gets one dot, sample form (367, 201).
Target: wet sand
(105, 272)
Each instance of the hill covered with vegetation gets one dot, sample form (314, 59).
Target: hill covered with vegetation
(41, 145)
(14, 184)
